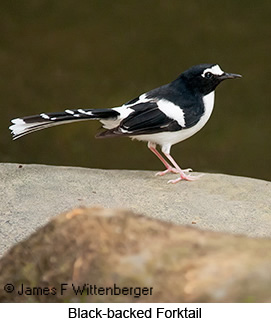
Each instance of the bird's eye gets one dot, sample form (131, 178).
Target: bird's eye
(208, 75)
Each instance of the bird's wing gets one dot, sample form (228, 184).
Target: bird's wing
(144, 118)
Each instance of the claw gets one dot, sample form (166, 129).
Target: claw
(185, 177)
(187, 170)
(168, 170)
(162, 173)
(172, 170)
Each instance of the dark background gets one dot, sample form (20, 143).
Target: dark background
(56, 55)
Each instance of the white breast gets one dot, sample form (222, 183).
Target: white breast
(167, 139)
(208, 101)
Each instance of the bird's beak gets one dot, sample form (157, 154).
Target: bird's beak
(226, 76)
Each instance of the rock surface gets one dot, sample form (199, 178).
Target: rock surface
(102, 247)
(31, 194)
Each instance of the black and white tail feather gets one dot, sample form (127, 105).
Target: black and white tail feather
(26, 125)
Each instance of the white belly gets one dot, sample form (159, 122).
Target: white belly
(167, 139)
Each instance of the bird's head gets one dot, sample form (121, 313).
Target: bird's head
(205, 77)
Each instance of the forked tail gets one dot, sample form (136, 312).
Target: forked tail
(24, 126)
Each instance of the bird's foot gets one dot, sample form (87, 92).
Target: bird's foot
(168, 170)
(185, 177)
(172, 170)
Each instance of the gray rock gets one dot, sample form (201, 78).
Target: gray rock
(31, 194)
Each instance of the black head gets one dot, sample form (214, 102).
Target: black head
(205, 77)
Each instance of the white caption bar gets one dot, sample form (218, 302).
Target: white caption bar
(184, 312)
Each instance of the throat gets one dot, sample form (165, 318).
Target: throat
(208, 101)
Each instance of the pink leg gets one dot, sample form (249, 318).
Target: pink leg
(169, 168)
(181, 172)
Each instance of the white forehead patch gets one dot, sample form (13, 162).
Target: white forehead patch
(216, 70)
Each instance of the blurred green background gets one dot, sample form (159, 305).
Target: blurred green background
(56, 55)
